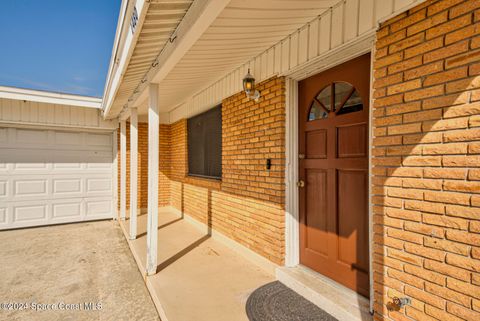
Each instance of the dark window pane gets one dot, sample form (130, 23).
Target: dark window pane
(342, 89)
(353, 104)
(316, 112)
(325, 97)
(204, 139)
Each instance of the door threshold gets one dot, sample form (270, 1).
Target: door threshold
(335, 299)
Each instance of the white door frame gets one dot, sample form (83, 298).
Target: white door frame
(333, 58)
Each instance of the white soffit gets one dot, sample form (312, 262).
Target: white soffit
(49, 97)
(162, 18)
(244, 29)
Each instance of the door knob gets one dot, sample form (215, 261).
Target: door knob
(301, 183)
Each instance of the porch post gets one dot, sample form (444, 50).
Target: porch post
(123, 169)
(133, 172)
(153, 140)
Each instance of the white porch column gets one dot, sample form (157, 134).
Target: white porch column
(133, 172)
(153, 140)
(123, 169)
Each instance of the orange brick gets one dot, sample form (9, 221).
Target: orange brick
(404, 129)
(423, 70)
(423, 47)
(448, 294)
(423, 115)
(424, 138)
(446, 246)
(454, 173)
(446, 101)
(422, 161)
(424, 93)
(463, 237)
(406, 43)
(440, 314)
(408, 20)
(445, 221)
(445, 124)
(428, 23)
(466, 7)
(463, 211)
(462, 135)
(449, 26)
(446, 51)
(461, 34)
(429, 253)
(456, 161)
(424, 229)
(463, 262)
(449, 75)
(425, 297)
(462, 312)
(445, 149)
(405, 65)
(430, 276)
(447, 269)
(441, 5)
(403, 108)
(447, 197)
(404, 214)
(462, 85)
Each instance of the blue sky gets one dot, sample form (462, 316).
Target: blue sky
(57, 45)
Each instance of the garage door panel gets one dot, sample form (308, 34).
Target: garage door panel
(3, 215)
(98, 207)
(50, 177)
(30, 187)
(3, 188)
(67, 186)
(72, 209)
(30, 213)
(67, 166)
(99, 185)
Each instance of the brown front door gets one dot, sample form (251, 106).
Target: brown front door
(333, 148)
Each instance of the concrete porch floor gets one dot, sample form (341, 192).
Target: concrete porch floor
(72, 263)
(199, 277)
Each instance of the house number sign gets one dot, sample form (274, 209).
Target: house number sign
(134, 20)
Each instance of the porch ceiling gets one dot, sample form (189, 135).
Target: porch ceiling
(162, 18)
(244, 29)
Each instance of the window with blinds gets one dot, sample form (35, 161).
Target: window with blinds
(204, 139)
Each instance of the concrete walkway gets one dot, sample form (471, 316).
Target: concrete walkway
(199, 278)
(73, 264)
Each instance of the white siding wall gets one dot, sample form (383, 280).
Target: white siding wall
(347, 22)
(36, 113)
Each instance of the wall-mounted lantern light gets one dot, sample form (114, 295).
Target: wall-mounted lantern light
(249, 87)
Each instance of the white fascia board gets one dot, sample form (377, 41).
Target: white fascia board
(128, 46)
(198, 18)
(49, 97)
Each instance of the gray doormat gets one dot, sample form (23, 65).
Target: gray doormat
(276, 302)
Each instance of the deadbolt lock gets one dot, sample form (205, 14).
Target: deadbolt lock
(301, 156)
(301, 183)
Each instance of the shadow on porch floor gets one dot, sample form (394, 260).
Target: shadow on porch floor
(199, 278)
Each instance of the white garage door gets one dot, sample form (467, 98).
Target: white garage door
(51, 177)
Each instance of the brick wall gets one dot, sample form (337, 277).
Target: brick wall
(426, 182)
(248, 204)
(164, 166)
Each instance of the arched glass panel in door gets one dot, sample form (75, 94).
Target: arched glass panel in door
(338, 97)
